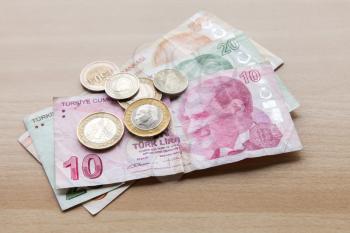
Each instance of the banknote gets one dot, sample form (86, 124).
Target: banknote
(198, 31)
(229, 52)
(275, 61)
(99, 203)
(40, 128)
(203, 34)
(93, 206)
(132, 158)
(221, 118)
(26, 141)
(232, 115)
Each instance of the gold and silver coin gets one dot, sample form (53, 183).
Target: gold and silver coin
(147, 90)
(170, 81)
(147, 117)
(122, 86)
(93, 76)
(100, 130)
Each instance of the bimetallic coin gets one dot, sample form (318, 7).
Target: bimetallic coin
(122, 86)
(146, 90)
(170, 81)
(147, 117)
(93, 76)
(100, 130)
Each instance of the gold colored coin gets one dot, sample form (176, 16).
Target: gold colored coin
(94, 75)
(147, 117)
(146, 90)
(100, 130)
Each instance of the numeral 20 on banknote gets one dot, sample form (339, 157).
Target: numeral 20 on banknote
(228, 46)
(73, 164)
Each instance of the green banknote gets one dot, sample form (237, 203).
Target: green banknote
(231, 52)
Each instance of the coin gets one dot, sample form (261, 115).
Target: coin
(100, 130)
(147, 117)
(170, 81)
(93, 76)
(122, 86)
(146, 90)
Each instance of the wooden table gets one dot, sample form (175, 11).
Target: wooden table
(44, 45)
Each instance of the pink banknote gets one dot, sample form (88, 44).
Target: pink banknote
(232, 115)
(221, 118)
(132, 158)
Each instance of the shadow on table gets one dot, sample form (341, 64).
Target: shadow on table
(246, 165)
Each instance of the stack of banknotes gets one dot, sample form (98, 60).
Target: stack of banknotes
(235, 107)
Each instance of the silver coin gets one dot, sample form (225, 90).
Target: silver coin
(122, 86)
(147, 90)
(94, 75)
(147, 117)
(170, 81)
(100, 130)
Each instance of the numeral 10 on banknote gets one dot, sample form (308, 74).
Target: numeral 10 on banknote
(252, 75)
(73, 164)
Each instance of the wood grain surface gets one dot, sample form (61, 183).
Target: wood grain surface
(44, 45)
